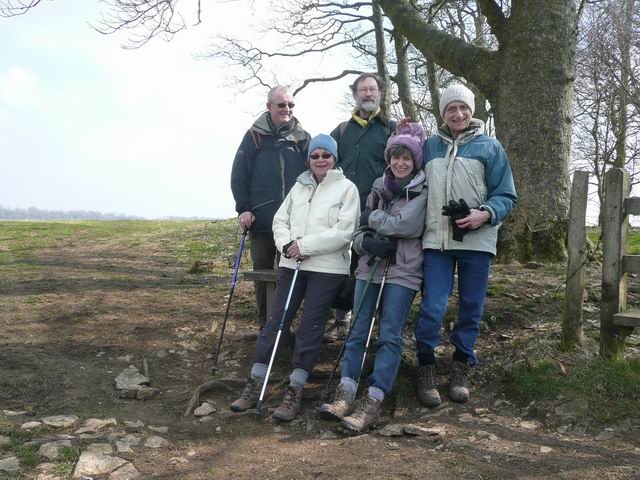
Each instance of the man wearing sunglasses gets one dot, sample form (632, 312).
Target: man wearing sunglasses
(270, 158)
(361, 143)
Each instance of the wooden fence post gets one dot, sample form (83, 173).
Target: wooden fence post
(615, 229)
(576, 267)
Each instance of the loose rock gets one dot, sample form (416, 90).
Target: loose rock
(94, 425)
(126, 472)
(146, 393)
(546, 449)
(14, 413)
(606, 434)
(156, 442)
(60, 421)
(30, 425)
(100, 448)
(91, 463)
(136, 426)
(205, 409)
(392, 430)
(9, 464)
(418, 431)
(51, 450)
(130, 376)
(153, 428)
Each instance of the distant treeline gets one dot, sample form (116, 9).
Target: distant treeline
(33, 213)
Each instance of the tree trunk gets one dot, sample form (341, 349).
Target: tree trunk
(402, 77)
(529, 83)
(381, 56)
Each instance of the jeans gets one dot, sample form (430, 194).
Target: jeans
(263, 255)
(397, 304)
(318, 290)
(473, 278)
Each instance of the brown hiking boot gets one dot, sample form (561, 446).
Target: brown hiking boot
(290, 405)
(337, 332)
(428, 395)
(341, 405)
(249, 396)
(365, 415)
(459, 382)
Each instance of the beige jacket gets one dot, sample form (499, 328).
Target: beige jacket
(321, 218)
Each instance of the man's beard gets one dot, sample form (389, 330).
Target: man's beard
(368, 106)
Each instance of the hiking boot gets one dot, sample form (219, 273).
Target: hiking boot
(459, 382)
(290, 405)
(337, 332)
(428, 395)
(341, 405)
(249, 396)
(365, 415)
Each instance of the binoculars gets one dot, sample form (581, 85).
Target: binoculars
(456, 210)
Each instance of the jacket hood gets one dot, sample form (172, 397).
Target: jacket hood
(292, 130)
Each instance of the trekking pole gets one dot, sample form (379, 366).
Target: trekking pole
(275, 345)
(356, 312)
(373, 318)
(233, 286)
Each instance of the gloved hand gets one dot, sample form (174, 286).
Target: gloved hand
(378, 246)
(364, 217)
(285, 248)
(457, 210)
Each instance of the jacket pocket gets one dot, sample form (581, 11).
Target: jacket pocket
(333, 213)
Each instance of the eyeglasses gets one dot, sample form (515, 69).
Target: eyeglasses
(316, 156)
(367, 89)
(284, 104)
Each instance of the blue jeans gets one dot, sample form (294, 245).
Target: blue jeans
(397, 303)
(473, 278)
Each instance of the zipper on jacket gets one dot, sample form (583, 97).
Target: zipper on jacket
(284, 187)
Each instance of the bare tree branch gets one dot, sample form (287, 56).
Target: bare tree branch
(326, 79)
(13, 8)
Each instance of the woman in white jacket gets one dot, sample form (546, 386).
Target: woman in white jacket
(313, 225)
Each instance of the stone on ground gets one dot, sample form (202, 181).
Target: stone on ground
(9, 464)
(126, 472)
(93, 463)
(156, 442)
(51, 450)
(60, 421)
(130, 376)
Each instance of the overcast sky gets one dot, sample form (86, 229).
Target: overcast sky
(85, 124)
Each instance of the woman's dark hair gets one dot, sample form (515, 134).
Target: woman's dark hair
(400, 150)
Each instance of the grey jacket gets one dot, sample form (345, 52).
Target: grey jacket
(401, 218)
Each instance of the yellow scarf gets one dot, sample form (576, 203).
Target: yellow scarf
(363, 122)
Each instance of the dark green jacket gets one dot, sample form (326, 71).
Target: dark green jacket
(361, 151)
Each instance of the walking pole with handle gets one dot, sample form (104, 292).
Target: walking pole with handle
(233, 286)
(275, 345)
(373, 318)
(356, 313)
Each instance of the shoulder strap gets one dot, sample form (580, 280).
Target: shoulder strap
(343, 127)
(257, 139)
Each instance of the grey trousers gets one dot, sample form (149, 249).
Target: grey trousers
(318, 291)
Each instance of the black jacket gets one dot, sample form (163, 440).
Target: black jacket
(265, 168)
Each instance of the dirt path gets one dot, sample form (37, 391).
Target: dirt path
(81, 312)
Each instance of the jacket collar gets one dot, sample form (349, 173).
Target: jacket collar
(333, 175)
(474, 129)
(292, 130)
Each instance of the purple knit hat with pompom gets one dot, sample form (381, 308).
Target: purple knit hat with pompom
(410, 135)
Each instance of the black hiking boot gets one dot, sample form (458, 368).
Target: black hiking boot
(426, 390)
(459, 382)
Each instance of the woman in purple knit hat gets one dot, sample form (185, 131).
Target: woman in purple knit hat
(390, 233)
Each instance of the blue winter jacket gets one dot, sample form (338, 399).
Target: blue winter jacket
(474, 167)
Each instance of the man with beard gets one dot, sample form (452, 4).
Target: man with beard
(272, 154)
(361, 143)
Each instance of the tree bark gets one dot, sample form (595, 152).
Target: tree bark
(381, 56)
(529, 83)
(402, 77)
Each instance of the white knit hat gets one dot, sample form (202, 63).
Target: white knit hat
(457, 93)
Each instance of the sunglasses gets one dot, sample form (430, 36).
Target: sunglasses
(316, 156)
(284, 104)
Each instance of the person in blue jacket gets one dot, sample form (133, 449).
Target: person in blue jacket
(471, 191)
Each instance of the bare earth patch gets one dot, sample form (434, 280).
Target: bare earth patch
(84, 309)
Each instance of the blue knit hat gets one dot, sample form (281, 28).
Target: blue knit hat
(324, 141)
